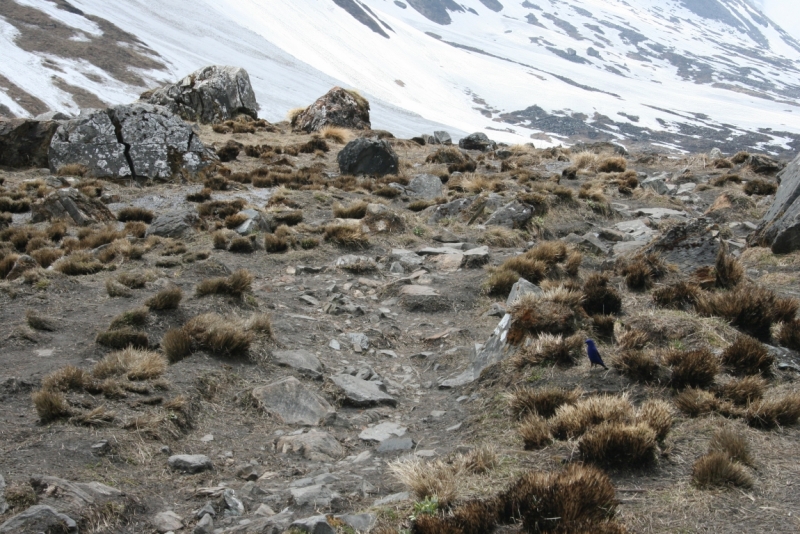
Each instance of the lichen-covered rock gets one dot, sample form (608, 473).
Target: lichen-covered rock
(477, 141)
(210, 95)
(368, 156)
(136, 140)
(71, 204)
(25, 143)
(338, 107)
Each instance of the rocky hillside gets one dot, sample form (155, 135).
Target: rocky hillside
(679, 74)
(218, 324)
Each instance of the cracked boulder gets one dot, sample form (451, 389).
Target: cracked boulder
(338, 107)
(71, 204)
(210, 95)
(130, 141)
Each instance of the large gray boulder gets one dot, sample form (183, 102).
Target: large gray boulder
(25, 142)
(210, 95)
(368, 156)
(174, 224)
(39, 518)
(301, 360)
(71, 204)
(477, 141)
(190, 463)
(130, 141)
(779, 229)
(513, 215)
(338, 107)
(293, 403)
(425, 186)
(316, 446)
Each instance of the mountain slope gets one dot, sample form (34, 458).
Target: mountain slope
(688, 74)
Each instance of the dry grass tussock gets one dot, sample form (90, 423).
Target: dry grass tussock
(479, 460)
(717, 469)
(692, 368)
(557, 311)
(744, 391)
(535, 432)
(631, 445)
(637, 365)
(78, 264)
(551, 348)
(336, 134)
(227, 335)
(748, 356)
(356, 210)
(132, 363)
(540, 401)
(428, 479)
(50, 405)
(656, 414)
(346, 236)
(235, 285)
(135, 214)
(572, 421)
(732, 443)
(176, 344)
(37, 321)
(585, 160)
(166, 299)
(600, 298)
(121, 338)
(136, 317)
(774, 412)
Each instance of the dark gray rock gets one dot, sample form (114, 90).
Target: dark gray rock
(71, 204)
(588, 243)
(293, 403)
(314, 525)
(477, 141)
(512, 215)
(136, 140)
(689, 245)
(657, 184)
(476, 257)
(359, 392)
(302, 360)
(521, 288)
(779, 229)
(762, 164)
(37, 519)
(338, 107)
(3, 503)
(74, 498)
(210, 95)
(175, 224)
(425, 186)
(442, 138)
(368, 156)
(205, 525)
(449, 210)
(25, 142)
(190, 463)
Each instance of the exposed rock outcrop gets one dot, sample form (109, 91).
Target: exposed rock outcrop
(210, 95)
(477, 141)
(779, 229)
(71, 204)
(25, 142)
(368, 156)
(136, 141)
(338, 107)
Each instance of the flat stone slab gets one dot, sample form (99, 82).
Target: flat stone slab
(317, 496)
(395, 445)
(190, 463)
(293, 403)
(383, 431)
(316, 446)
(362, 392)
(302, 360)
(39, 518)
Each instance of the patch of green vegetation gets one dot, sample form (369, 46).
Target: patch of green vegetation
(427, 507)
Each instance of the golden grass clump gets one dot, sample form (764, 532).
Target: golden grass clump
(428, 479)
(275, 244)
(100, 416)
(614, 164)
(235, 285)
(356, 210)
(744, 391)
(748, 356)
(630, 339)
(500, 282)
(696, 402)
(679, 295)
(134, 364)
(572, 421)
(750, 308)
(67, 378)
(346, 236)
(46, 256)
(166, 299)
(717, 469)
(122, 338)
(50, 405)
(242, 245)
(599, 297)
(78, 264)
(772, 413)
(336, 134)
(176, 344)
(656, 414)
(480, 460)
(584, 160)
(729, 271)
(692, 368)
(619, 444)
(733, 444)
(530, 269)
(131, 318)
(556, 311)
(219, 335)
(641, 270)
(535, 433)
(552, 348)
(540, 401)
(135, 214)
(637, 365)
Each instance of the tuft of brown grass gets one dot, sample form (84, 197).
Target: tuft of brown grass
(535, 433)
(573, 264)
(733, 444)
(47, 256)
(745, 391)
(78, 264)
(134, 364)
(692, 368)
(131, 318)
(242, 245)
(235, 220)
(115, 289)
(531, 270)
(696, 402)
(772, 413)
(760, 186)
(679, 296)
(201, 196)
(121, 338)
(748, 356)
(356, 210)
(336, 134)
(549, 348)
(235, 285)
(572, 421)
(599, 297)
(617, 164)
(346, 236)
(788, 334)
(135, 214)
(40, 322)
(65, 379)
(176, 344)
(656, 414)
(50, 405)
(221, 239)
(431, 479)
(750, 308)
(100, 416)
(133, 280)
(166, 299)
(219, 335)
(275, 244)
(540, 401)
(479, 460)
(500, 282)
(556, 311)
(619, 444)
(638, 365)
(729, 271)
(73, 169)
(717, 469)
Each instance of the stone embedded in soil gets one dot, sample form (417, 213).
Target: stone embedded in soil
(71, 204)
(476, 257)
(359, 522)
(477, 141)
(293, 402)
(301, 360)
(383, 431)
(425, 186)
(354, 262)
(316, 445)
(314, 525)
(395, 445)
(173, 224)
(512, 215)
(520, 289)
(167, 521)
(588, 243)
(448, 210)
(205, 525)
(316, 496)
(39, 518)
(362, 393)
(368, 156)
(190, 463)
(423, 298)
